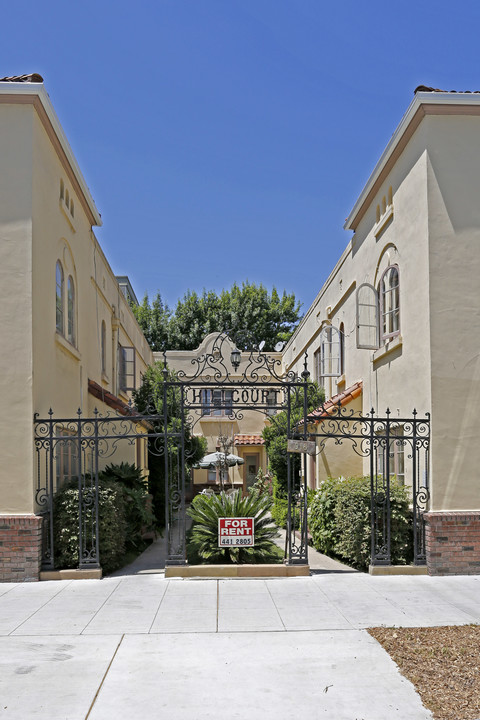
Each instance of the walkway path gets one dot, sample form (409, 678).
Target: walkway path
(146, 647)
(153, 560)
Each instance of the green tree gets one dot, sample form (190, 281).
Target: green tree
(149, 399)
(275, 434)
(249, 307)
(154, 320)
(195, 317)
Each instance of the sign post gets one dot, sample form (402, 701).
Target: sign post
(236, 532)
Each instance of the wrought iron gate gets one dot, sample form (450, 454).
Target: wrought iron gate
(381, 442)
(231, 381)
(74, 450)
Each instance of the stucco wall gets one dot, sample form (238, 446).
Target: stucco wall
(454, 287)
(41, 369)
(397, 379)
(16, 466)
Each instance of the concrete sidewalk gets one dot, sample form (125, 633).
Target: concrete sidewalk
(143, 646)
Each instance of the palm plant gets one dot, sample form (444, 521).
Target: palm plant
(205, 512)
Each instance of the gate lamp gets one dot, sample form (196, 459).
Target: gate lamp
(235, 358)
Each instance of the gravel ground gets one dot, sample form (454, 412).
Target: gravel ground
(442, 662)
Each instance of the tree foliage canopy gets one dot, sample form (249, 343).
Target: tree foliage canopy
(266, 316)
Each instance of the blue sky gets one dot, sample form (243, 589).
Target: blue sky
(226, 140)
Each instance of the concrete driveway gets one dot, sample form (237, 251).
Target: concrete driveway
(146, 647)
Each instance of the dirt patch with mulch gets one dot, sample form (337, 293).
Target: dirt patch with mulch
(442, 662)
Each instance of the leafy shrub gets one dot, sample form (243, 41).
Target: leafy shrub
(206, 510)
(127, 473)
(139, 516)
(112, 524)
(340, 521)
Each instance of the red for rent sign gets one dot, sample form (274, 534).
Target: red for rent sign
(236, 532)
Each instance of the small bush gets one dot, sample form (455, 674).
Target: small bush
(127, 473)
(139, 516)
(340, 521)
(206, 510)
(112, 525)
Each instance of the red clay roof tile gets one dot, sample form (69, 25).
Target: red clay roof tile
(336, 401)
(241, 439)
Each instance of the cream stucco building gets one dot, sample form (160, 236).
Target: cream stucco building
(397, 323)
(71, 340)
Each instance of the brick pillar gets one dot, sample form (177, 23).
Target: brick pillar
(20, 547)
(453, 542)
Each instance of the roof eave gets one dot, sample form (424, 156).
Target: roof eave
(421, 98)
(38, 90)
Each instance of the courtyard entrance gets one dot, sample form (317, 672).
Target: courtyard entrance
(232, 380)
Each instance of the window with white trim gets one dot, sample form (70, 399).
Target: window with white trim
(378, 311)
(367, 317)
(327, 358)
(389, 292)
(126, 368)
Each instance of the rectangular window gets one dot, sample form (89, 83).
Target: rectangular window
(66, 455)
(367, 317)
(126, 368)
(327, 359)
(390, 303)
(217, 403)
(396, 455)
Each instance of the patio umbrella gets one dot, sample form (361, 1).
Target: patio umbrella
(217, 459)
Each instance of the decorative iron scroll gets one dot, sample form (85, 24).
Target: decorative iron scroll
(232, 379)
(381, 441)
(69, 450)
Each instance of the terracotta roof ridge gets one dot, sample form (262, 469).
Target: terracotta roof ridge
(426, 88)
(341, 399)
(248, 439)
(31, 78)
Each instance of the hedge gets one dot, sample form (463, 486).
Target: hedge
(340, 521)
(112, 525)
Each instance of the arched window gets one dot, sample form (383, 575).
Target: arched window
(389, 292)
(59, 299)
(327, 357)
(71, 310)
(104, 347)
(367, 317)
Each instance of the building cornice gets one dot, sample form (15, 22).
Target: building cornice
(18, 93)
(424, 103)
